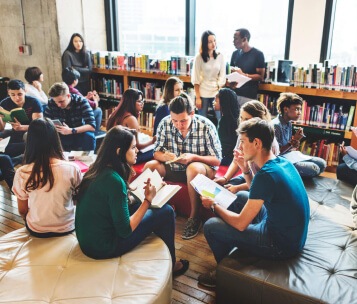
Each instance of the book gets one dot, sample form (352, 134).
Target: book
(176, 159)
(18, 113)
(349, 119)
(236, 77)
(296, 156)
(163, 191)
(3, 144)
(207, 187)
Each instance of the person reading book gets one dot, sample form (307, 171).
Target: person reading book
(104, 197)
(289, 107)
(347, 169)
(76, 116)
(191, 144)
(127, 114)
(17, 99)
(271, 220)
(45, 184)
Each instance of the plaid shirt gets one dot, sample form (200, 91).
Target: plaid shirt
(79, 113)
(202, 139)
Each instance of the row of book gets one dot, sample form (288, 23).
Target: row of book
(105, 86)
(151, 90)
(330, 116)
(328, 151)
(176, 65)
(270, 102)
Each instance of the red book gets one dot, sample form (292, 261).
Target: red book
(82, 166)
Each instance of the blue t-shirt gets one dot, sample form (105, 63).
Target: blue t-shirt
(31, 105)
(280, 186)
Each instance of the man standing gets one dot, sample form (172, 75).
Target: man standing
(33, 109)
(271, 220)
(194, 142)
(76, 116)
(248, 61)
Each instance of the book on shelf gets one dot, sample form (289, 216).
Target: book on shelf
(350, 117)
(208, 188)
(163, 191)
(18, 113)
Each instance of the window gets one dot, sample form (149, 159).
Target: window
(265, 20)
(343, 42)
(155, 27)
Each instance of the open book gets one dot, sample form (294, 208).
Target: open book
(236, 77)
(163, 191)
(18, 113)
(207, 187)
(3, 144)
(176, 159)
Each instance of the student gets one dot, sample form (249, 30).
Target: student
(208, 73)
(173, 88)
(194, 139)
(271, 220)
(248, 61)
(347, 170)
(289, 109)
(353, 207)
(76, 56)
(45, 184)
(76, 116)
(33, 88)
(228, 123)
(7, 170)
(250, 109)
(18, 99)
(70, 76)
(127, 114)
(103, 199)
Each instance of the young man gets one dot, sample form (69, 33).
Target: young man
(289, 107)
(194, 139)
(76, 116)
(270, 220)
(33, 109)
(248, 61)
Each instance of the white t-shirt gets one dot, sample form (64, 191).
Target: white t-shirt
(33, 92)
(50, 211)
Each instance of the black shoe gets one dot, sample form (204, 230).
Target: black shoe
(185, 265)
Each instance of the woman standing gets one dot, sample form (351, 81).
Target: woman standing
(209, 72)
(103, 199)
(33, 88)
(173, 88)
(44, 186)
(127, 114)
(77, 57)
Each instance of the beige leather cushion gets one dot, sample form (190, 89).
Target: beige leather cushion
(55, 270)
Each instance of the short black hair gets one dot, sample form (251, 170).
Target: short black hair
(69, 75)
(243, 33)
(15, 84)
(32, 74)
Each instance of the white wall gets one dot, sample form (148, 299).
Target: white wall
(307, 27)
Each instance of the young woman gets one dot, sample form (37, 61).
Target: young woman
(77, 57)
(127, 114)
(227, 100)
(103, 199)
(250, 109)
(208, 73)
(173, 88)
(33, 88)
(44, 186)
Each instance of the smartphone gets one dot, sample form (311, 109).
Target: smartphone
(57, 122)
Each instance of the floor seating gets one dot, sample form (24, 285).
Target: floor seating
(325, 271)
(181, 201)
(54, 270)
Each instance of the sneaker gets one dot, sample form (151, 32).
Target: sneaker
(208, 279)
(193, 225)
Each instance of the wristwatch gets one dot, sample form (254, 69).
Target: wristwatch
(74, 131)
(214, 204)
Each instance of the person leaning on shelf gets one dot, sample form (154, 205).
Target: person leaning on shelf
(127, 114)
(271, 220)
(103, 199)
(173, 88)
(208, 73)
(187, 145)
(289, 106)
(77, 57)
(248, 61)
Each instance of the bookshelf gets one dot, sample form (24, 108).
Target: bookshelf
(319, 96)
(125, 79)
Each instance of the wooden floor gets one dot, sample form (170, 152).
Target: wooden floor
(185, 287)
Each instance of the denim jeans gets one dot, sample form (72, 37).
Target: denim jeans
(98, 113)
(7, 169)
(255, 239)
(78, 142)
(310, 168)
(161, 221)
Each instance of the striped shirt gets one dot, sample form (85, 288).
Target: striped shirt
(78, 114)
(283, 131)
(202, 139)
